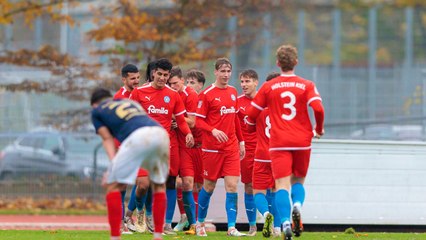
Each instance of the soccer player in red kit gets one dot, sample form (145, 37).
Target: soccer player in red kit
(161, 103)
(288, 98)
(263, 181)
(248, 81)
(217, 117)
(188, 156)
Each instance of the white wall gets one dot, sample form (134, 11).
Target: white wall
(356, 182)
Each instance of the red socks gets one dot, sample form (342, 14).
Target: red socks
(113, 200)
(159, 202)
(180, 200)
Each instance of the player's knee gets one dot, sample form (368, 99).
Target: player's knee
(187, 184)
(171, 182)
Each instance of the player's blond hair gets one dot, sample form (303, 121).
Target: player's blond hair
(287, 57)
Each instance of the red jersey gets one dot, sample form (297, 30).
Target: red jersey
(263, 129)
(189, 98)
(218, 108)
(288, 97)
(122, 93)
(244, 103)
(161, 104)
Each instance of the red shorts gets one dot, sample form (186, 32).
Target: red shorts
(262, 175)
(286, 163)
(143, 172)
(220, 164)
(174, 161)
(191, 164)
(247, 166)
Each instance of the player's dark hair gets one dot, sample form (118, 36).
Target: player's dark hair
(197, 74)
(222, 61)
(129, 68)
(249, 73)
(272, 75)
(176, 72)
(148, 73)
(163, 63)
(99, 94)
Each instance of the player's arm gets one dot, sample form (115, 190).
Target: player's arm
(107, 142)
(319, 116)
(183, 126)
(190, 120)
(240, 138)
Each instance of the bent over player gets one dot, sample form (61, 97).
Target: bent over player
(144, 144)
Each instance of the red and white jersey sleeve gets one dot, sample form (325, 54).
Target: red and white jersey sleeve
(288, 97)
(190, 99)
(122, 93)
(249, 137)
(160, 104)
(263, 129)
(218, 108)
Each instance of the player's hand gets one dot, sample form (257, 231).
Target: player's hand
(189, 140)
(174, 124)
(318, 135)
(242, 151)
(219, 135)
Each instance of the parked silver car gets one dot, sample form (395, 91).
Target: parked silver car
(48, 153)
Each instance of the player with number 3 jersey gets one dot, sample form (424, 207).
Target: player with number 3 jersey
(288, 97)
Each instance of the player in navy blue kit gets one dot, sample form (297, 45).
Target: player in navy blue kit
(144, 143)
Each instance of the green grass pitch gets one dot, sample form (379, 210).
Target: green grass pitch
(104, 235)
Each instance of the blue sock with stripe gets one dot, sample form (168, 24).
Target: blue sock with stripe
(203, 204)
(250, 208)
(282, 202)
(171, 204)
(274, 211)
(261, 203)
(231, 206)
(189, 205)
(298, 193)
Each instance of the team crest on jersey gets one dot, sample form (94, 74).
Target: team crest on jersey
(166, 99)
(200, 103)
(233, 97)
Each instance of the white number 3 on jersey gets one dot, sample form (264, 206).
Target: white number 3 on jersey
(289, 105)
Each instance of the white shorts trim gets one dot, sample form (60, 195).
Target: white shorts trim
(262, 160)
(289, 148)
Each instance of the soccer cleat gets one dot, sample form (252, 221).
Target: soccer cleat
(168, 230)
(200, 230)
(233, 232)
(297, 225)
(124, 229)
(287, 233)
(140, 223)
(149, 224)
(183, 223)
(252, 231)
(128, 221)
(267, 226)
(191, 230)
